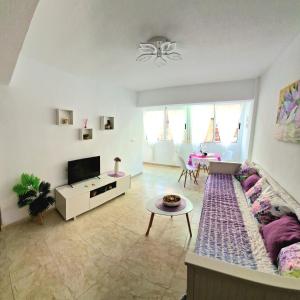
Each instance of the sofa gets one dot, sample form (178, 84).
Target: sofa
(233, 258)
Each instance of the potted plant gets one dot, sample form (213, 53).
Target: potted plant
(34, 193)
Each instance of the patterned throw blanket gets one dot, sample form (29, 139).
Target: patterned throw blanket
(222, 233)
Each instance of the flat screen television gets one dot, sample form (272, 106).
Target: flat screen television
(82, 169)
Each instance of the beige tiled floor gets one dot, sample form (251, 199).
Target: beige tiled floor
(104, 254)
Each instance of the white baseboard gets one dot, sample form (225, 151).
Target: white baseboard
(160, 165)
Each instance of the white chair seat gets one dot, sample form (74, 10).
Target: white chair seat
(188, 170)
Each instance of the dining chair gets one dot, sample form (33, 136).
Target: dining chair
(187, 170)
(204, 163)
(201, 163)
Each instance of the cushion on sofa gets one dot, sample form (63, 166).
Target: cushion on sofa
(245, 171)
(279, 234)
(260, 187)
(269, 207)
(249, 182)
(288, 199)
(289, 260)
(261, 210)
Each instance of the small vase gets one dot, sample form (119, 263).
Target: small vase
(116, 168)
(85, 123)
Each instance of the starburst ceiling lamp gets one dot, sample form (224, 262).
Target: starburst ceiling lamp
(158, 49)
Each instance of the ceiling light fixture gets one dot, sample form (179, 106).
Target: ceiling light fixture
(159, 49)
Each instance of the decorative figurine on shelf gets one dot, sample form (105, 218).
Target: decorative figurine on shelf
(65, 121)
(85, 123)
(117, 162)
(108, 125)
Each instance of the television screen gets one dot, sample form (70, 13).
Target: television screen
(82, 169)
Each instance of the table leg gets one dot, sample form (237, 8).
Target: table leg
(189, 225)
(150, 223)
(195, 177)
(185, 178)
(198, 170)
(181, 175)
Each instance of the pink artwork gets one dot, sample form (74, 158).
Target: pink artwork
(288, 114)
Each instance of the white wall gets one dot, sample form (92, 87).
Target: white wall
(31, 142)
(280, 159)
(209, 92)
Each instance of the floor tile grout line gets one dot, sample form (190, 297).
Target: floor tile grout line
(57, 266)
(11, 286)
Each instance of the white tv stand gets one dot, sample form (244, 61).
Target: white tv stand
(83, 196)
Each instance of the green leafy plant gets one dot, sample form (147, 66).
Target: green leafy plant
(28, 183)
(42, 200)
(31, 191)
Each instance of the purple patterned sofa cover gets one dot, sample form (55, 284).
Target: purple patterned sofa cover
(222, 233)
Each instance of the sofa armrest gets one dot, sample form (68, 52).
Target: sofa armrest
(211, 279)
(222, 167)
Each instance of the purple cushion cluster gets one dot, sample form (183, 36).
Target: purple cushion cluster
(279, 227)
(279, 234)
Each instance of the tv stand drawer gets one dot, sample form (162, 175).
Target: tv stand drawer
(103, 189)
(104, 197)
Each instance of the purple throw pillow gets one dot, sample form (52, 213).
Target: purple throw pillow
(250, 182)
(279, 234)
(245, 171)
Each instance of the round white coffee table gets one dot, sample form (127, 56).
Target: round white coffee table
(167, 211)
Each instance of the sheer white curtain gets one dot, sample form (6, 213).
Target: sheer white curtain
(175, 125)
(154, 125)
(227, 119)
(200, 118)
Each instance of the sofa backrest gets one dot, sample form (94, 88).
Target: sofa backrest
(293, 203)
(222, 167)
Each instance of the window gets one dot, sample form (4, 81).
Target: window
(205, 123)
(154, 126)
(218, 123)
(201, 123)
(227, 118)
(176, 125)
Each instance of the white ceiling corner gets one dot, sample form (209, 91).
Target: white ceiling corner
(15, 18)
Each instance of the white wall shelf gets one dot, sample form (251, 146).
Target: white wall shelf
(107, 123)
(86, 133)
(64, 117)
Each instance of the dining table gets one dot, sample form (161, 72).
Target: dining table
(198, 157)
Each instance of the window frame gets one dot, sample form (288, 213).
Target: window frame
(188, 128)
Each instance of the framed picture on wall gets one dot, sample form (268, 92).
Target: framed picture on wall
(288, 114)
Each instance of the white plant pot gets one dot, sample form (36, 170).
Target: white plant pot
(116, 167)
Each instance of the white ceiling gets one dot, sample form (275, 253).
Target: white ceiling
(219, 40)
